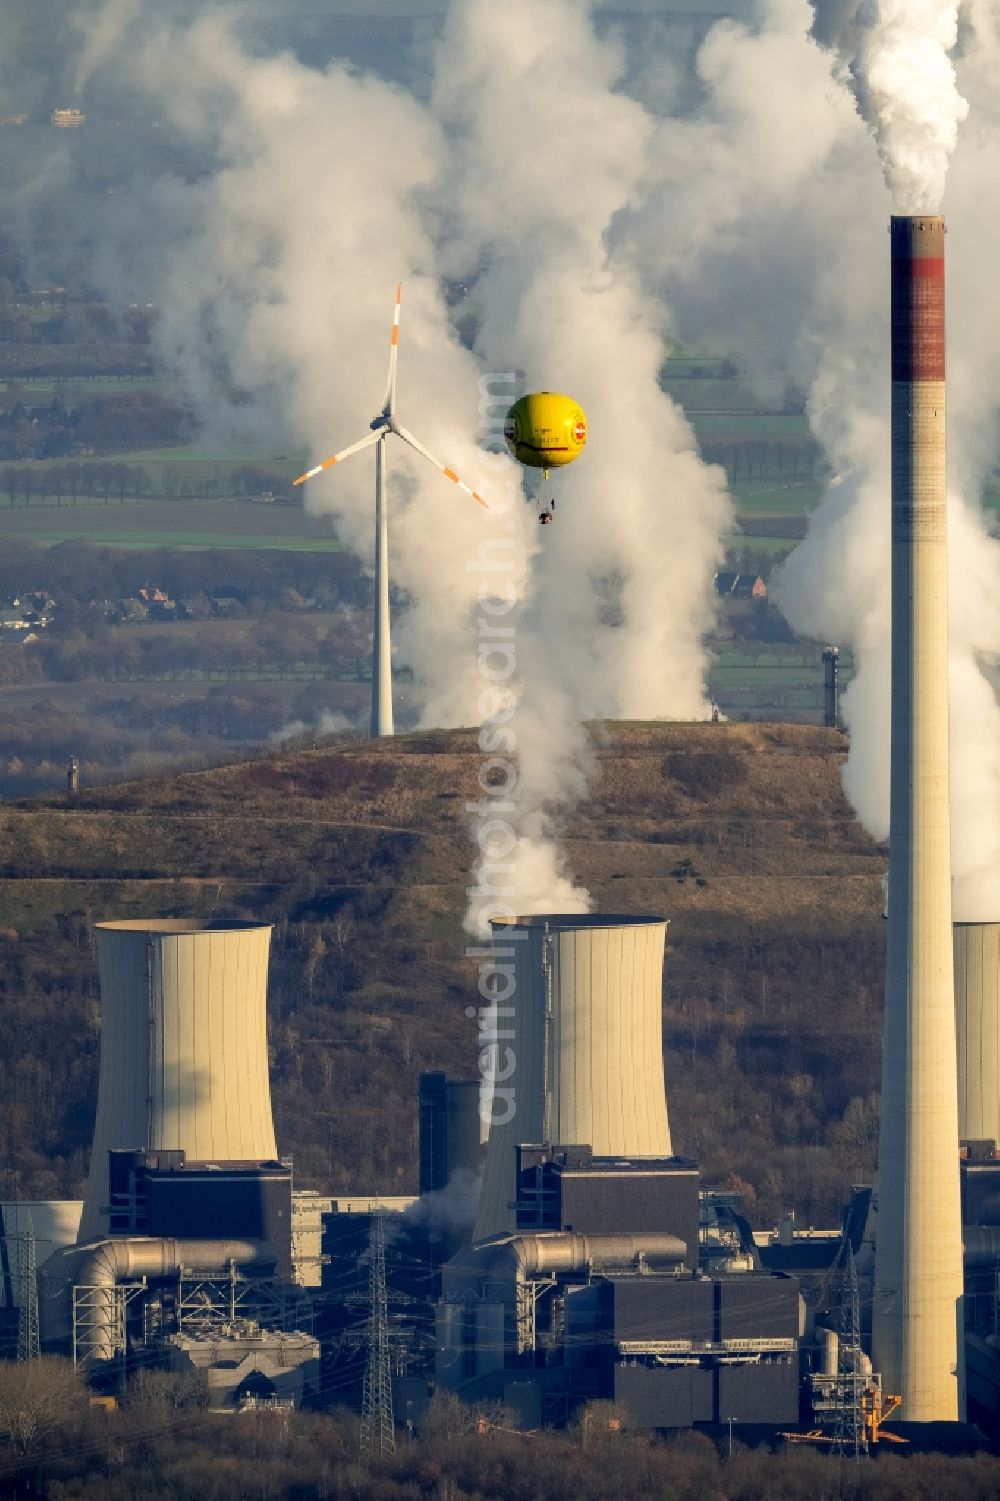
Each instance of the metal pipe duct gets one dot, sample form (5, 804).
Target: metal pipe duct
(916, 1332)
(183, 1047)
(104, 1263)
(981, 1245)
(506, 1258)
(563, 1251)
(574, 1053)
(977, 1029)
(502, 1269)
(829, 1343)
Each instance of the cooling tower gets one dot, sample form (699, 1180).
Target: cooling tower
(977, 1028)
(916, 1329)
(183, 1047)
(576, 1048)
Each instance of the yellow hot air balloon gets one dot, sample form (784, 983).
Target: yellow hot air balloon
(545, 430)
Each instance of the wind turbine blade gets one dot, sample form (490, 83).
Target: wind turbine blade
(408, 437)
(389, 405)
(345, 453)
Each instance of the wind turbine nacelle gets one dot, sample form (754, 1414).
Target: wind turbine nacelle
(546, 430)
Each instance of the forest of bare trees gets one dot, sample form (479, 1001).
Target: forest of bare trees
(162, 1445)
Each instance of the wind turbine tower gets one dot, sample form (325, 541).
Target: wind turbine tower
(382, 427)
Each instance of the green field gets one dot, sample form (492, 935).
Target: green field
(190, 459)
(36, 391)
(751, 425)
(708, 396)
(775, 498)
(191, 542)
(181, 524)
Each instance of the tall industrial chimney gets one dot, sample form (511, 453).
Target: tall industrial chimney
(916, 1334)
(831, 687)
(578, 1047)
(977, 1021)
(183, 1047)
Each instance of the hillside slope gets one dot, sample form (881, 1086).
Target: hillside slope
(360, 855)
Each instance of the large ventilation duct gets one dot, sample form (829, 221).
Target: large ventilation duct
(977, 1027)
(916, 1326)
(183, 1047)
(99, 1267)
(574, 1052)
(501, 1270)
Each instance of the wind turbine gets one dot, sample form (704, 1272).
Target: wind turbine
(382, 427)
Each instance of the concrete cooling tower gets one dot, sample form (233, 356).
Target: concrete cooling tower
(576, 1047)
(977, 1026)
(183, 1047)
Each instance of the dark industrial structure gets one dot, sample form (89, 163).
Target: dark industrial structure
(614, 1274)
(600, 1294)
(449, 1130)
(161, 1193)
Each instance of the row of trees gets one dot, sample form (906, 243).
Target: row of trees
(162, 1443)
(76, 573)
(23, 361)
(73, 482)
(98, 480)
(766, 459)
(80, 323)
(104, 424)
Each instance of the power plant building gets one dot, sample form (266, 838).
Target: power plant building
(450, 1130)
(187, 1224)
(586, 1277)
(604, 1272)
(183, 1047)
(578, 1045)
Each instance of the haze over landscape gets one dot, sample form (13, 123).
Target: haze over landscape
(676, 214)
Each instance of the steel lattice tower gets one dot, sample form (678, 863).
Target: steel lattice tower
(850, 1434)
(377, 1432)
(28, 1341)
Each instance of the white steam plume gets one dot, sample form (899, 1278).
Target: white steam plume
(776, 244)
(908, 94)
(548, 154)
(450, 1210)
(278, 277)
(916, 153)
(102, 31)
(274, 269)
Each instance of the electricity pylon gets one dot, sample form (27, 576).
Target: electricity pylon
(378, 1438)
(850, 1433)
(28, 1339)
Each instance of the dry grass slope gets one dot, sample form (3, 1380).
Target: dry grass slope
(360, 854)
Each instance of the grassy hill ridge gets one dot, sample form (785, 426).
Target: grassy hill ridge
(360, 855)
